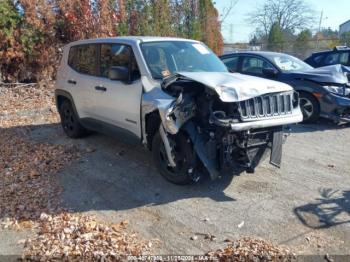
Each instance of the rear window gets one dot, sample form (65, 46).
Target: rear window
(83, 59)
(344, 58)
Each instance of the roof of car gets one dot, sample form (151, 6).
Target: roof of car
(262, 53)
(343, 49)
(345, 22)
(131, 39)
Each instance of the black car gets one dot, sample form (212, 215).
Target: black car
(323, 92)
(339, 55)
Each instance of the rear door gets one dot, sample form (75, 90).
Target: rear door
(81, 76)
(115, 102)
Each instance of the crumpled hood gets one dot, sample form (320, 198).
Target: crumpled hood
(327, 74)
(234, 87)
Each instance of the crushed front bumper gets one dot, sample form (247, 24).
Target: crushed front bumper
(293, 118)
(336, 108)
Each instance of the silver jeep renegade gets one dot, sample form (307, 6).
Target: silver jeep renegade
(177, 98)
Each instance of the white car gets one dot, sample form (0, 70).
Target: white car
(177, 98)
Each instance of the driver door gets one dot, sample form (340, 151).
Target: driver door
(118, 103)
(254, 66)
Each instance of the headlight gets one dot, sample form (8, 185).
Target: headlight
(339, 90)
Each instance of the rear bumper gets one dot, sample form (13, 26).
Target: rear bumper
(336, 108)
(294, 118)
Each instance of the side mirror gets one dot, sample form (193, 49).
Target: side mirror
(270, 72)
(119, 73)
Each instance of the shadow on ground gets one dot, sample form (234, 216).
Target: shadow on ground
(117, 176)
(320, 125)
(331, 209)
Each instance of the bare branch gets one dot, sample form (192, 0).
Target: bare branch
(291, 15)
(227, 10)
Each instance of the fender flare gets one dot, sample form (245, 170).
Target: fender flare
(67, 95)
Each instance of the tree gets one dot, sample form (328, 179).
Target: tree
(275, 40)
(210, 26)
(253, 41)
(303, 43)
(290, 15)
(32, 32)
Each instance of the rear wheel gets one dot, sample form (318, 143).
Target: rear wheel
(185, 171)
(70, 121)
(309, 107)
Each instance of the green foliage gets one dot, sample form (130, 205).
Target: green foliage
(275, 40)
(29, 38)
(31, 32)
(303, 39)
(302, 43)
(9, 18)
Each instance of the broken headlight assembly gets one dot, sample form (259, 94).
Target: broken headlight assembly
(338, 90)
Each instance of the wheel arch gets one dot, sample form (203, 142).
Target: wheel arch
(61, 96)
(311, 94)
(152, 123)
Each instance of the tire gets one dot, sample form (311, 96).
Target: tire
(309, 107)
(70, 121)
(185, 172)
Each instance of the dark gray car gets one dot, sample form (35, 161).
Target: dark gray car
(324, 92)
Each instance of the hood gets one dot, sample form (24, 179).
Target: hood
(327, 74)
(234, 87)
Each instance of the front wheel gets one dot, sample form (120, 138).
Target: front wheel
(309, 107)
(185, 171)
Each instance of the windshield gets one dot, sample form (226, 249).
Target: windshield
(287, 63)
(168, 57)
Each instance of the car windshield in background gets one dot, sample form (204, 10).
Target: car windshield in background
(168, 57)
(288, 63)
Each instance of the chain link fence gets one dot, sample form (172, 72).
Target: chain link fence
(296, 48)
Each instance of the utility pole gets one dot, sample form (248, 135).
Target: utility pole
(231, 33)
(319, 30)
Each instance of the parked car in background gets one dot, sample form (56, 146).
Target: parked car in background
(177, 98)
(339, 55)
(324, 92)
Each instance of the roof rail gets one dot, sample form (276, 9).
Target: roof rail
(343, 47)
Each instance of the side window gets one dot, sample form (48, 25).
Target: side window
(231, 63)
(344, 58)
(118, 55)
(331, 59)
(318, 58)
(83, 59)
(254, 65)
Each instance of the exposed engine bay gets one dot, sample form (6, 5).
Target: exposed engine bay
(225, 135)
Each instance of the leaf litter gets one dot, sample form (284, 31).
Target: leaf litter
(30, 194)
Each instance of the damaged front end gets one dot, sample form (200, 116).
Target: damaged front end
(230, 128)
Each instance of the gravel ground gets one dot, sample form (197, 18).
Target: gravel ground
(305, 205)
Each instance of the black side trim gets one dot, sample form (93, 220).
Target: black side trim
(119, 133)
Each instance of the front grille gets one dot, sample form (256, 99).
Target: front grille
(269, 105)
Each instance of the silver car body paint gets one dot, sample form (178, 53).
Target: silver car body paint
(236, 87)
(230, 88)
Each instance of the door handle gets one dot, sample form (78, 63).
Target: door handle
(101, 88)
(73, 82)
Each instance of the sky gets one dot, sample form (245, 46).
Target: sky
(236, 28)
